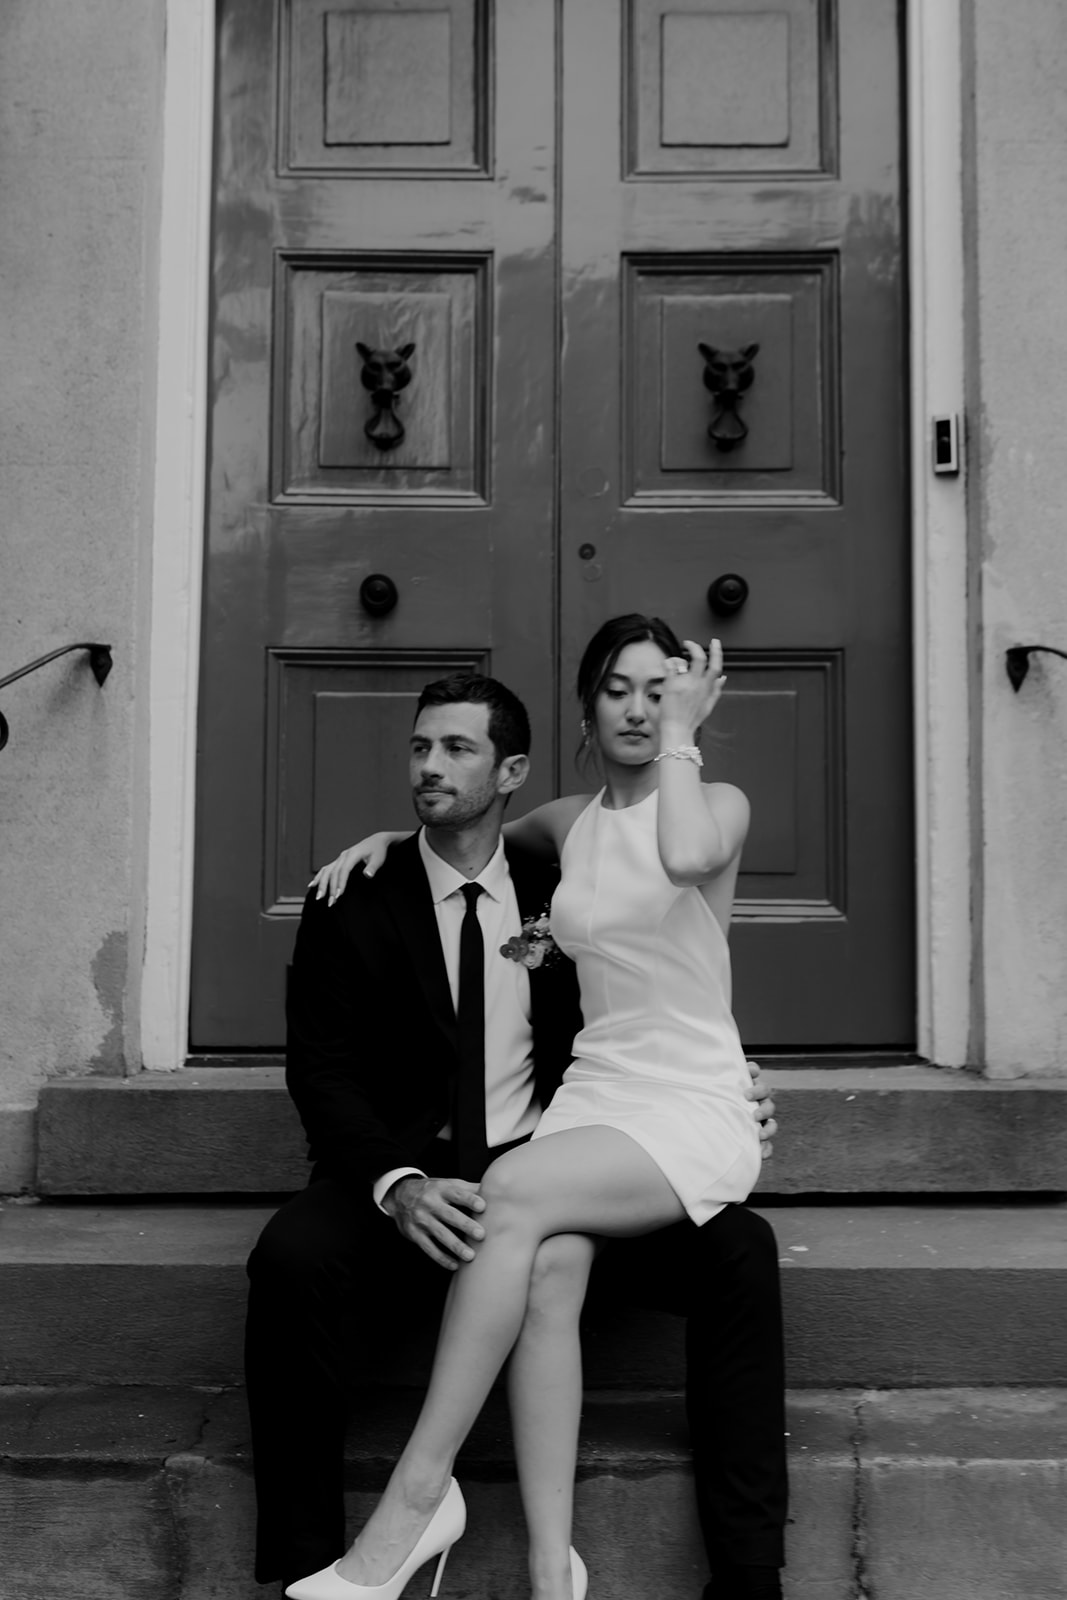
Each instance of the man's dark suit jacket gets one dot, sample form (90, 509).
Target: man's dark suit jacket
(372, 1048)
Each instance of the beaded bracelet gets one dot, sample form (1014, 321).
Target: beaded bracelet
(684, 752)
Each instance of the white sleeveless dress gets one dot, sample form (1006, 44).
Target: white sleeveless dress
(659, 1056)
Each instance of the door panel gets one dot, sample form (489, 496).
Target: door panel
(788, 305)
(721, 88)
(762, 222)
(365, 197)
(372, 86)
(330, 304)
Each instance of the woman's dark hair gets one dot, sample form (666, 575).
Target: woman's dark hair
(509, 726)
(608, 643)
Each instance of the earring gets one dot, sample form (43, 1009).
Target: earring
(586, 730)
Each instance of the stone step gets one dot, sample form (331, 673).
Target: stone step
(947, 1494)
(853, 1130)
(880, 1296)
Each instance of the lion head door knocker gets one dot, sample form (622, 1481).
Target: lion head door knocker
(727, 374)
(385, 373)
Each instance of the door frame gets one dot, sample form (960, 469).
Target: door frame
(947, 884)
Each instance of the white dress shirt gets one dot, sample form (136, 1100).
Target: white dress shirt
(511, 1106)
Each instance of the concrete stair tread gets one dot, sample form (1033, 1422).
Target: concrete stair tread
(1011, 1236)
(102, 1424)
(163, 1234)
(218, 1130)
(1008, 1237)
(887, 1295)
(949, 1494)
(98, 1425)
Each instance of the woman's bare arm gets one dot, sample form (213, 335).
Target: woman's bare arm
(701, 826)
(541, 832)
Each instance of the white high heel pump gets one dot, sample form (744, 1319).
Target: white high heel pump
(437, 1538)
(579, 1576)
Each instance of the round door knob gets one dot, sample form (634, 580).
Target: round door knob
(727, 594)
(378, 595)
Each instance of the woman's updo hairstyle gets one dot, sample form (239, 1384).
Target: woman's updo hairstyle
(608, 643)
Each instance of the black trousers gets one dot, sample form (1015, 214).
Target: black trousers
(330, 1277)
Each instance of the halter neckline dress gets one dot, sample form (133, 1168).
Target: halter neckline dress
(659, 1056)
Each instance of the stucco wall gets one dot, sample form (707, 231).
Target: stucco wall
(79, 121)
(1019, 456)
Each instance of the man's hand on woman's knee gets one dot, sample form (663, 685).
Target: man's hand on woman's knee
(434, 1214)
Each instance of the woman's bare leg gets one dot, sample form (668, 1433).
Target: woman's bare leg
(545, 1393)
(586, 1180)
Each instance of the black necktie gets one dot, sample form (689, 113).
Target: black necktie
(469, 1125)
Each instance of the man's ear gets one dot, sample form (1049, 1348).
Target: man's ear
(512, 774)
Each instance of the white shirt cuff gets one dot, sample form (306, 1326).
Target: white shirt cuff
(387, 1179)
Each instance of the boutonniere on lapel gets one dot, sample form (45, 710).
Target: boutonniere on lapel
(534, 945)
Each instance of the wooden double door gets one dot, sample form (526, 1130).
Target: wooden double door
(527, 314)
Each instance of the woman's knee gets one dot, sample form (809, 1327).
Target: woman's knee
(517, 1206)
(560, 1274)
(507, 1184)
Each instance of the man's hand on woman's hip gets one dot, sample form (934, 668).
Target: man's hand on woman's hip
(763, 1108)
(428, 1212)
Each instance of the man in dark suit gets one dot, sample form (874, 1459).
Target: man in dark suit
(379, 1064)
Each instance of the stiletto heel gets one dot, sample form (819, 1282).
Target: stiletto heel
(437, 1538)
(438, 1573)
(579, 1576)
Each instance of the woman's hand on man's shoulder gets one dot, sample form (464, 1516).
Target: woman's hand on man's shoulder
(331, 880)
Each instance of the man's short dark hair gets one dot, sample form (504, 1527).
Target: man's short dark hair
(509, 725)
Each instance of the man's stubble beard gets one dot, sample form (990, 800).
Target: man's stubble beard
(468, 810)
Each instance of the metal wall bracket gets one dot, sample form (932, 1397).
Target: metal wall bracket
(100, 664)
(1017, 661)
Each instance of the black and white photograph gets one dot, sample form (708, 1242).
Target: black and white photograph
(533, 800)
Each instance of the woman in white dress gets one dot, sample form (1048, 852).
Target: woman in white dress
(651, 1122)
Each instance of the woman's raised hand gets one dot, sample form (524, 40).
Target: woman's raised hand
(691, 689)
(330, 880)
